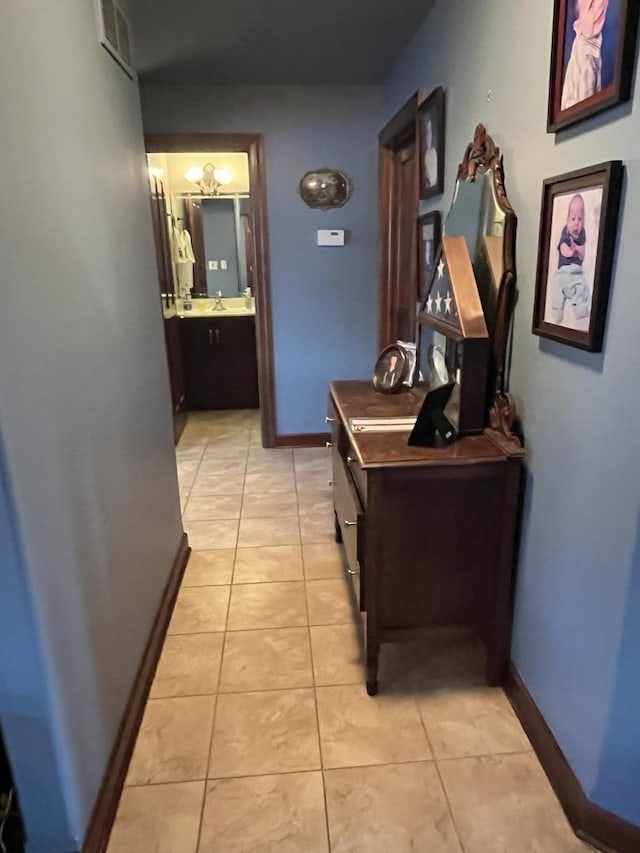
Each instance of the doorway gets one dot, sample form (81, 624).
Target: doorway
(251, 228)
(399, 191)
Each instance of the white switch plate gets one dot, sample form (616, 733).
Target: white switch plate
(330, 238)
(223, 265)
(213, 265)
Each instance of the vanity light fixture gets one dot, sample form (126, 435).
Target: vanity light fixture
(209, 178)
(155, 172)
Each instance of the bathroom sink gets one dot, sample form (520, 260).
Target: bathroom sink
(234, 306)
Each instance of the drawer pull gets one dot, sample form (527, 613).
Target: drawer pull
(329, 420)
(350, 523)
(330, 482)
(328, 444)
(351, 572)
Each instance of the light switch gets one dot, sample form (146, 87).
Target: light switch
(223, 265)
(213, 265)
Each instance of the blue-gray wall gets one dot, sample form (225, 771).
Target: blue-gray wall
(576, 636)
(89, 509)
(324, 299)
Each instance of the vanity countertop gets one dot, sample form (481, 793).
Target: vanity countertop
(234, 306)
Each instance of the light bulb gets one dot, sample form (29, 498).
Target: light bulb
(223, 176)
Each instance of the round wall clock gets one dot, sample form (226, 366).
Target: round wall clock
(391, 369)
(325, 188)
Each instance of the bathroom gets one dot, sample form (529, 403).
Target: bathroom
(203, 232)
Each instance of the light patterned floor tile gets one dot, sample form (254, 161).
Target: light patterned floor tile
(158, 819)
(329, 602)
(317, 528)
(200, 610)
(173, 742)
(356, 729)
(266, 659)
(267, 605)
(398, 808)
(474, 720)
(270, 506)
(209, 568)
(275, 563)
(209, 535)
(274, 731)
(505, 804)
(256, 532)
(337, 655)
(207, 507)
(265, 814)
(322, 560)
(189, 665)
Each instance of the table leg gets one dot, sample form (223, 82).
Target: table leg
(373, 653)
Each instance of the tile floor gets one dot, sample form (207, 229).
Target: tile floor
(259, 736)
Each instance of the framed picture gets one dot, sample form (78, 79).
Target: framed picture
(592, 58)
(578, 226)
(429, 232)
(431, 139)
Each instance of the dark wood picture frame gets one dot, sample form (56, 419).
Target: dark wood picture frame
(431, 137)
(571, 307)
(427, 263)
(618, 38)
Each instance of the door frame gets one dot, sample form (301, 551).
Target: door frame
(252, 145)
(397, 132)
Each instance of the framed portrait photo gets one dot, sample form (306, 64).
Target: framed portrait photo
(429, 232)
(431, 141)
(592, 58)
(578, 227)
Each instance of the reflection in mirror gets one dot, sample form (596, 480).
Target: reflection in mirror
(477, 216)
(481, 212)
(218, 230)
(209, 222)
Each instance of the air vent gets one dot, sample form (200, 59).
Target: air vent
(113, 30)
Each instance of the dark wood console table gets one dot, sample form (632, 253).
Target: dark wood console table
(429, 533)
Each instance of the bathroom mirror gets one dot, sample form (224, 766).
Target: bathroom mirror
(209, 222)
(220, 232)
(481, 212)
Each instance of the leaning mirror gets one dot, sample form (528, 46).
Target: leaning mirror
(466, 317)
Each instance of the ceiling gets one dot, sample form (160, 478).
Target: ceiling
(293, 42)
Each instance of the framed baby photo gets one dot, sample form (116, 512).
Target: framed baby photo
(431, 142)
(429, 231)
(592, 58)
(578, 227)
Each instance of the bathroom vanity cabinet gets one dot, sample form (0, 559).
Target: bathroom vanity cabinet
(429, 534)
(220, 362)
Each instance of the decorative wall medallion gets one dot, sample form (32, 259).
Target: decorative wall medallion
(325, 188)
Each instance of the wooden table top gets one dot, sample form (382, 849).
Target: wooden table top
(358, 399)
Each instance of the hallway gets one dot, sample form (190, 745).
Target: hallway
(259, 736)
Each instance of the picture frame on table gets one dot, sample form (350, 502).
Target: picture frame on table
(592, 58)
(429, 234)
(578, 229)
(431, 136)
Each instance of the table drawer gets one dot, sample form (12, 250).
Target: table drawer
(351, 520)
(358, 475)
